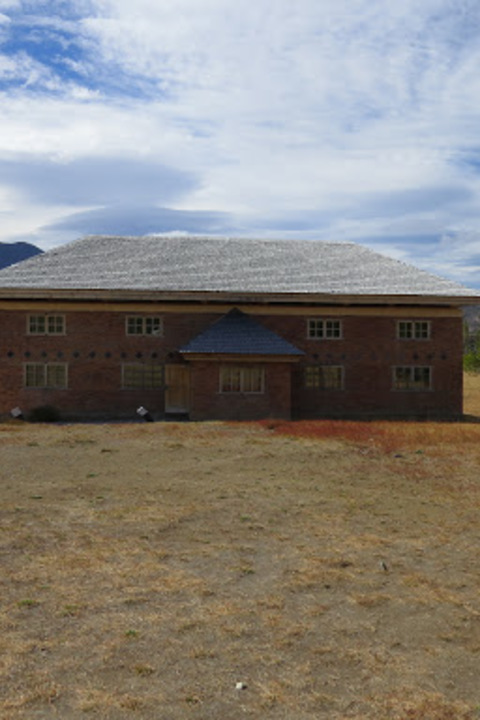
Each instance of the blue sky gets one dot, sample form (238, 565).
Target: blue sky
(316, 119)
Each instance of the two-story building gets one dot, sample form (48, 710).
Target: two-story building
(226, 328)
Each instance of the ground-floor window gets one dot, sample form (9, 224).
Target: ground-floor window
(242, 379)
(324, 377)
(45, 375)
(141, 376)
(412, 377)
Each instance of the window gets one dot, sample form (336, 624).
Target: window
(324, 377)
(46, 325)
(141, 376)
(235, 379)
(144, 325)
(45, 375)
(412, 377)
(413, 330)
(320, 329)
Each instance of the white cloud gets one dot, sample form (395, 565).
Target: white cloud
(355, 114)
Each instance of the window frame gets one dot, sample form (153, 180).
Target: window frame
(147, 374)
(410, 384)
(324, 329)
(416, 332)
(49, 322)
(142, 322)
(245, 380)
(323, 383)
(46, 371)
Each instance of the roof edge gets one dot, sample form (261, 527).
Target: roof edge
(212, 296)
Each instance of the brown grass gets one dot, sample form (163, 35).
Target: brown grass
(330, 567)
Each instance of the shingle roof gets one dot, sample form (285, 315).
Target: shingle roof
(239, 334)
(202, 264)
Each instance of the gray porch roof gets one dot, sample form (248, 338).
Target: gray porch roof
(238, 334)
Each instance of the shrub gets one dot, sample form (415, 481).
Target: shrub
(45, 414)
(471, 361)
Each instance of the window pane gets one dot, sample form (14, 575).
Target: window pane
(325, 377)
(315, 329)
(230, 379)
(55, 324)
(312, 377)
(152, 376)
(422, 330)
(332, 378)
(404, 330)
(132, 376)
(153, 326)
(401, 375)
(56, 375)
(234, 379)
(37, 324)
(252, 380)
(134, 326)
(332, 329)
(136, 375)
(412, 378)
(421, 378)
(320, 328)
(34, 375)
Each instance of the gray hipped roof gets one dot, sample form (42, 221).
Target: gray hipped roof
(223, 265)
(238, 334)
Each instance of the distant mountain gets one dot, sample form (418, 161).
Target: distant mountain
(11, 253)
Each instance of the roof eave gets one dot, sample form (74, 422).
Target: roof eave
(241, 357)
(214, 296)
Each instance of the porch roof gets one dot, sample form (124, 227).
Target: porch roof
(238, 334)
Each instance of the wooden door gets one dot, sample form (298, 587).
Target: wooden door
(177, 391)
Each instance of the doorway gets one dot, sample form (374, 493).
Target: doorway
(177, 388)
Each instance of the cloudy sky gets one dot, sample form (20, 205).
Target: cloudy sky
(316, 119)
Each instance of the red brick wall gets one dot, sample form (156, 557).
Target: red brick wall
(209, 402)
(95, 345)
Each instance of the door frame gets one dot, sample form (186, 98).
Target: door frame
(177, 388)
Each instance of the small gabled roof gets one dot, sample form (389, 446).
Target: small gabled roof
(238, 334)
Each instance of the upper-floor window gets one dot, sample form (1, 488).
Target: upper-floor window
(412, 377)
(46, 324)
(324, 329)
(413, 329)
(242, 379)
(142, 376)
(45, 375)
(144, 325)
(324, 377)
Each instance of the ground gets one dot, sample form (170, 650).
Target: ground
(329, 569)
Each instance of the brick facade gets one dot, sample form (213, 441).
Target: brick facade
(95, 346)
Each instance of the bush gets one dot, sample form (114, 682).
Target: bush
(45, 414)
(471, 361)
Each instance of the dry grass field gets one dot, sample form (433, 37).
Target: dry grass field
(331, 568)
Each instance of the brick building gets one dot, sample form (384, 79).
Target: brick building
(229, 329)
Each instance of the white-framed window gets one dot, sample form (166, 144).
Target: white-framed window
(413, 329)
(138, 376)
(144, 325)
(412, 377)
(242, 379)
(46, 324)
(46, 375)
(324, 377)
(324, 329)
